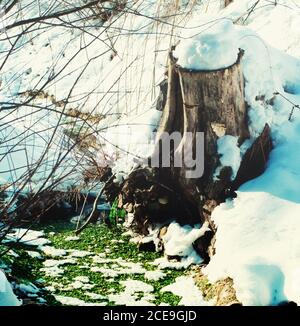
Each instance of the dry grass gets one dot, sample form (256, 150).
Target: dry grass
(222, 292)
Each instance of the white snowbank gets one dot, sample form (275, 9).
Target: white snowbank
(54, 271)
(78, 285)
(7, 297)
(34, 254)
(83, 279)
(186, 288)
(258, 246)
(185, 262)
(28, 288)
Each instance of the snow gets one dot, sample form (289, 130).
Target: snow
(61, 262)
(72, 238)
(28, 237)
(186, 288)
(128, 296)
(7, 297)
(76, 285)
(230, 154)
(54, 271)
(257, 237)
(35, 254)
(53, 252)
(53, 268)
(79, 253)
(121, 268)
(95, 296)
(154, 275)
(41, 301)
(258, 247)
(83, 279)
(178, 241)
(184, 263)
(212, 50)
(70, 301)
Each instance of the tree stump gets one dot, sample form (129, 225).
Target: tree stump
(209, 102)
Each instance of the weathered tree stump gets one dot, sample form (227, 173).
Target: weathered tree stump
(209, 102)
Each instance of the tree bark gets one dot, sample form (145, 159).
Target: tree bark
(211, 102)
(227, 2)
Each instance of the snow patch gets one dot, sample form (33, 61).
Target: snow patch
(154, 275)
(28, 237)
(230, 154)
(53, 252)
(186, 288)
(72, 238)
(178, 241)
(70, 301)
(79, 253)
(133, 289)
(95, 296)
